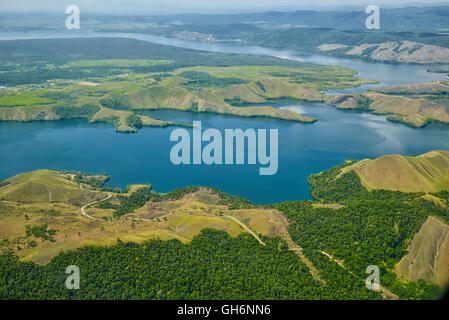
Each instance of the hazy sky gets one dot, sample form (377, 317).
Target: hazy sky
(179, 6)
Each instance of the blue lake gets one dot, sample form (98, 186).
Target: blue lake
(145, 156)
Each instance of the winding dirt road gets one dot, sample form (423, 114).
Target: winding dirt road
(83, 212)
(298, 250)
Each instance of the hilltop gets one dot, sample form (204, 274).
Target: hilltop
(424, 173)
(415, 105)
(44, 186)
(394, 51)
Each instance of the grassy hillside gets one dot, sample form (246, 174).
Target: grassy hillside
(437, 88)
(414, 105)
(54, 199)
(374, 227)
(428, 256)
(104, 80)
(396, 52)
(335, 237)
(45, 186)
(425, 173)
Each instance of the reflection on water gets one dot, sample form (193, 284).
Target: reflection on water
(144, 157)
(303, 148)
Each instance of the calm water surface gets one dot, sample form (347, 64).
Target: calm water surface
(386, 74)
(144, 157)
(303, 148)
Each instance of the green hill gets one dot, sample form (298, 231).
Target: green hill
(45, 186)
(425, 173)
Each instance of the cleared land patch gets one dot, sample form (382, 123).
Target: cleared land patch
(52, 200)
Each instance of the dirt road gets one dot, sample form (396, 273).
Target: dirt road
(83, 212)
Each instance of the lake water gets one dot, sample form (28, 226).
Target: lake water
(303, 148)
(386, 74)
(144, 157)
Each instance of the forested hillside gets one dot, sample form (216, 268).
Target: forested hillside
(213, 266)
(349, 229)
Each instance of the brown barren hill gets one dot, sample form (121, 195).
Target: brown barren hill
(425, 173)
(428, 257)
(415, 105)
(394, 51)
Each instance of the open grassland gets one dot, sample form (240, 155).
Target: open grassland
(53, 199)
(23, 99)
(45, 186)
(233, 90)
(425, 173)
(206, 89)
(345, 229)
(56, 85)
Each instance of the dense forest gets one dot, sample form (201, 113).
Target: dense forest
(213, 266)
(371, 229)
(201, 79)
(35, 61)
